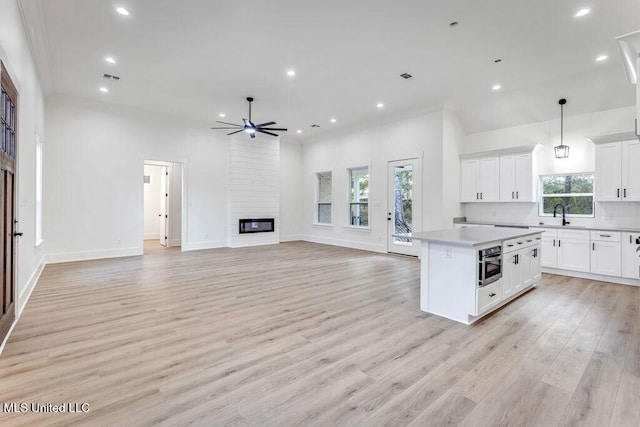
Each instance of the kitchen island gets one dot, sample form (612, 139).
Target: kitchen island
(467, 273)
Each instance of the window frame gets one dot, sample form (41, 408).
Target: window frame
(541, 212)
(349, 202)
(317, 199)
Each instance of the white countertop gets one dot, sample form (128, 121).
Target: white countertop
(558, 226)
(471, 236)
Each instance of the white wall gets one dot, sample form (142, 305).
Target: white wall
(16, 55)
(152, 202)
(581, 159)
(420, 136)
(291, 208)
(95, 156)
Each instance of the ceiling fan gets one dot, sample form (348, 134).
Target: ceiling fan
(249, 127)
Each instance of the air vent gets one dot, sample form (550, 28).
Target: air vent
(315, 126)
(406, 76)
(110, 77)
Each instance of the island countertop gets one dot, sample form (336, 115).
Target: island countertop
(471, 236)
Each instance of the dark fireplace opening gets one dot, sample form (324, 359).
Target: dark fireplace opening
(256, 225)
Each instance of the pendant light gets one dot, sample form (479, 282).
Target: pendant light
(562, 151)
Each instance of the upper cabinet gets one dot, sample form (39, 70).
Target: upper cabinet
(480, 180)
(507, 177)
(617, 171)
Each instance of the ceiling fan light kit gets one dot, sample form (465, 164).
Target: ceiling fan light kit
(249, 127)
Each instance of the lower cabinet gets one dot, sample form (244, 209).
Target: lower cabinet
(605, 253)
(630, 247)
(549, 251)
(520, 269)
(574, 254)
(488, 297)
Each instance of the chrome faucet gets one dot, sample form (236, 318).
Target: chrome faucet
(564, 220)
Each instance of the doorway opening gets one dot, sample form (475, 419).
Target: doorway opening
(162, 205)
(404, 214)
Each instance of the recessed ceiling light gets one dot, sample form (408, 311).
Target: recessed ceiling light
(123, 11)
(299, 131)
(332, 120)
(104, 90)
(110, 60)
(602, 58)
(291, 73)
(582, 12)
(496, 87)
(223, 115)
(379, 105)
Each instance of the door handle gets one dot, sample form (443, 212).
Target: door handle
(17, 234)
(389, 216)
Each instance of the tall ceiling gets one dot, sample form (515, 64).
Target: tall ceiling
(198, 58)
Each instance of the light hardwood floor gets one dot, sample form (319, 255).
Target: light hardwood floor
(306, 334)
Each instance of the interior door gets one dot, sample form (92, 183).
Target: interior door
(8, 150)
(404, 205)
(164, 206)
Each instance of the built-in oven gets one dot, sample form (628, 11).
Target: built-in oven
(489, 265)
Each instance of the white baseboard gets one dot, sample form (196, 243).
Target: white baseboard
(6, 338)
(372, 247)
(152, 236)
(175, 242)
(292, 237)
(91, 255)
(590, 276)
(196, 246)
(24, 296)
(251, 244)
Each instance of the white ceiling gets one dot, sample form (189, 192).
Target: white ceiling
(197, 58)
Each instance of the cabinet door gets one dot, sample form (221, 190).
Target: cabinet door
(489, 179)
(507, 178)
(524, 178)
(631, 170)
(630, 256)
(509, 270)
(525, 264)
(605, 258)
(574, 254)
(469, 181)
(536, 264)
(608, 172)
(549, 253)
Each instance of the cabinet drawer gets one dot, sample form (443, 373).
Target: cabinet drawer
(573, 234)
(605, 236)
(520, 243)
(488, 296)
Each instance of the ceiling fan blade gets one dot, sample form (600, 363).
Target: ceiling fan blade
(235, 132)
(266, 124)
(225, 128)
(268, 133)
(278, 129)
(226, 123)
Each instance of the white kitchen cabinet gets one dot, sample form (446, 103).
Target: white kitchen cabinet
(605, 253)
(510, 274)
(520, 267)
(617, 172)
(630, 250)
(574, 251)
(530, 269)
(516, 178)
(480, 180)
(549, 248)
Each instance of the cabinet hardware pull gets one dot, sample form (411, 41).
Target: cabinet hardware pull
(605, 235)
(618, 193)
(480, 195)
(510, 246)
(529, 241)
(625, 192)
(554, 243)
(629, 238)
(558, 242)
(491, 295)
(593, 246)
(517, 195)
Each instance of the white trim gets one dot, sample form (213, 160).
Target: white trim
(196, 246)
(292, 238)
(175, 242)
(152, 236)
(38, 243)
(357, 227)
(372, 247)
(92, 255)
(6, 338)
(321, 225)
(590, 276)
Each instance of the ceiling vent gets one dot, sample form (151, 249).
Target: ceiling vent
(110, 77)
(406, 76)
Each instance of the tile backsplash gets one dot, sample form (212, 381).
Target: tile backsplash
(609, 214)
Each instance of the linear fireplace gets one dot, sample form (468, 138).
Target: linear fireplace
(256, 225)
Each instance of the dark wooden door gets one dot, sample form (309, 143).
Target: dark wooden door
(8, 150)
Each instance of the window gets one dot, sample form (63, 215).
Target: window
(573, 191)
(359, 197)
(324, 196)
(38, 190)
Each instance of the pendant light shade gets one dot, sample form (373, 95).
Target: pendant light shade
(561, 151)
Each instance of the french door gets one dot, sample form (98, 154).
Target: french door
(404, 212)
(8, 150)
